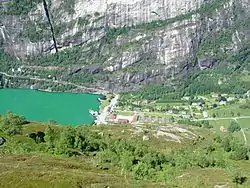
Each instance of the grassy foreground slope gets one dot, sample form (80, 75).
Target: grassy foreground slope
(43, 171)
(42, 155)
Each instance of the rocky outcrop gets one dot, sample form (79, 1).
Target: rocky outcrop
(207, 62)
(122, 44)
(2, 141)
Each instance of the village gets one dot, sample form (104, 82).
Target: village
(188, 108)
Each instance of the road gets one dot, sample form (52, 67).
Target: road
(101, 118)
(243, 133)
(245, 138)
(56, 81)
(224, 118)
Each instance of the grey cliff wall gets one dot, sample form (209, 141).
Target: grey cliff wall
(158, 39)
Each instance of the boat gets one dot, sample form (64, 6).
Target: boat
(93, 113)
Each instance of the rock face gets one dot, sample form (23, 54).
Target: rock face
(2, 140)
(207, 63)
(126, 43)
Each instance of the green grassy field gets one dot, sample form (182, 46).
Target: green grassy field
(230, 111)
(125, 113)
(244, 123)
(173, 103)
(218, 123)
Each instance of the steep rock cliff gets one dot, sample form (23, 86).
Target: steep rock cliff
(118, 44)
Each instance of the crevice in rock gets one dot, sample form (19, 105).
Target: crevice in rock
(46, 9)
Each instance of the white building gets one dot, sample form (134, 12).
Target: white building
(205, 114)
(198, 107)
(129, 118)
(230, 99)
(195, 104)
(170, 111)
(186, 116)
(176, 107)
(248, 93)
(215, 95)
(186, 98)
(223, 102)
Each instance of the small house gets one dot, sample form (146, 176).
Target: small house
(205, 114)
(248, 93)
(186, 98)
(135, 118)
(198, 107)
(230, 99)
(214, 95)
(122, 120)
(112, 117)
(186, 116)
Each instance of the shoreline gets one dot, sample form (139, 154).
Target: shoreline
(83, 88)
(98, 99)
(103, 113)
(51, 91)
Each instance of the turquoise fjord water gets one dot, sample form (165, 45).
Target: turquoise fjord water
(65, 108)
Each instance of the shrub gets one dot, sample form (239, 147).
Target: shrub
(240, 153)
(245, 106)
(233, 127)
(239, 179)
(207, 125)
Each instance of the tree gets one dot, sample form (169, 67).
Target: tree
(226, 144)
(38, 137)
(215, 105)
(141, 170)
(232, 113)
(66, 141)
(50, 137)
(203, 161)
(206, 124)
(233, 127)
(126, 162)
(12, 124)
(171, 119)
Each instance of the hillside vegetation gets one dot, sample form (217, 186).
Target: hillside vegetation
(233, 73)
(47, 155)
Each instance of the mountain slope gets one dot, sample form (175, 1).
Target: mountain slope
(117, 45)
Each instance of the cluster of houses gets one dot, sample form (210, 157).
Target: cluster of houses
(198, 107)
(154, 119)
(122, 119)
(134, 119)
(18, 70)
